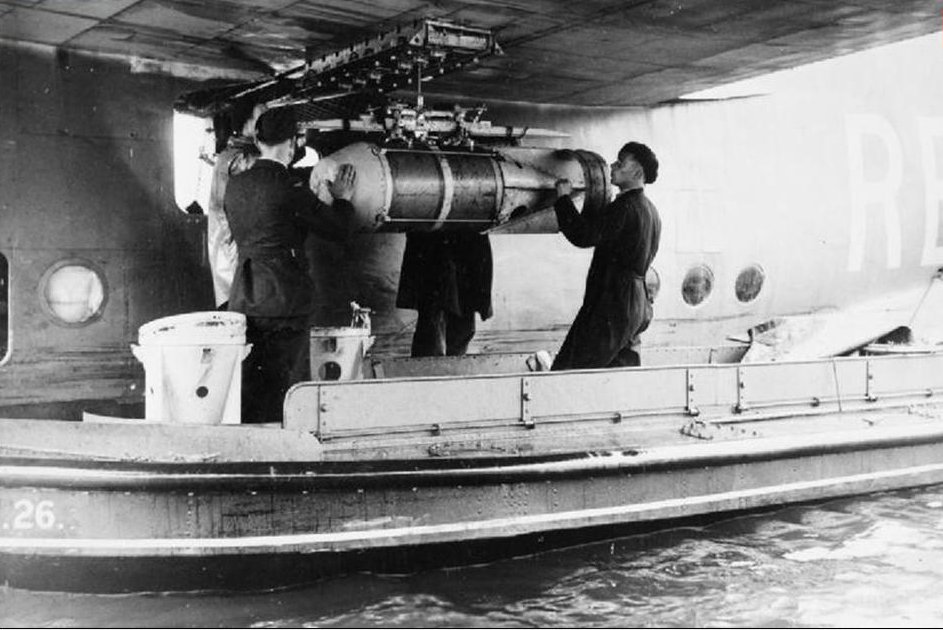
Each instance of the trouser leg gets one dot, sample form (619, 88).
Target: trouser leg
(459, 331)
(253, 377)
(429, 337)
(292, 361)
(628, 356)
(278, 360)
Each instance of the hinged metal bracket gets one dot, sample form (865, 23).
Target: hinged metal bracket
(526, 418)
(869, 394)
(689, 406)
(322, 424)
(742, 404)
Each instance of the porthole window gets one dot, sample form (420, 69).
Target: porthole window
(749, 283)
(73, 293)
(652, 283)
(698, 284)
(4, 307)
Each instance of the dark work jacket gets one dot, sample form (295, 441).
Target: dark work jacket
(270, 215)
(448, 271)
(616, 307)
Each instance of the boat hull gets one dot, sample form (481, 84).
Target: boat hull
(122, 526)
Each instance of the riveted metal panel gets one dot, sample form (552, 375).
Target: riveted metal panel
(906, 375)
(366, 406)
(764, 385)
(607, 391)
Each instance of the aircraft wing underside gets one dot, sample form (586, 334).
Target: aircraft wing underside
(607, 52)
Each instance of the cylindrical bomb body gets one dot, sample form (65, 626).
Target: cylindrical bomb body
(433, 190)
(401, 190)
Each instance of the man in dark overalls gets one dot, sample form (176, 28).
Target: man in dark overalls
(616, 306)
(270, 215)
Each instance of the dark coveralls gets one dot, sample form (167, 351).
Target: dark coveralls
(270, 215)
(616, 307)
(446, 277)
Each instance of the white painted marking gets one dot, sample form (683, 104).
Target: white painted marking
(448, 191)
(23, 514)
(931, 138)
(30, 515)
(875, 191)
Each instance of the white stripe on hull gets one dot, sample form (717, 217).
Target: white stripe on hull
(494, 528)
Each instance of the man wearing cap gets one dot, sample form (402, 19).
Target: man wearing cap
(617, 306)
(270, 215)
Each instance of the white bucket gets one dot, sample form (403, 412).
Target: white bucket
(337, 353)
(193, 367)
